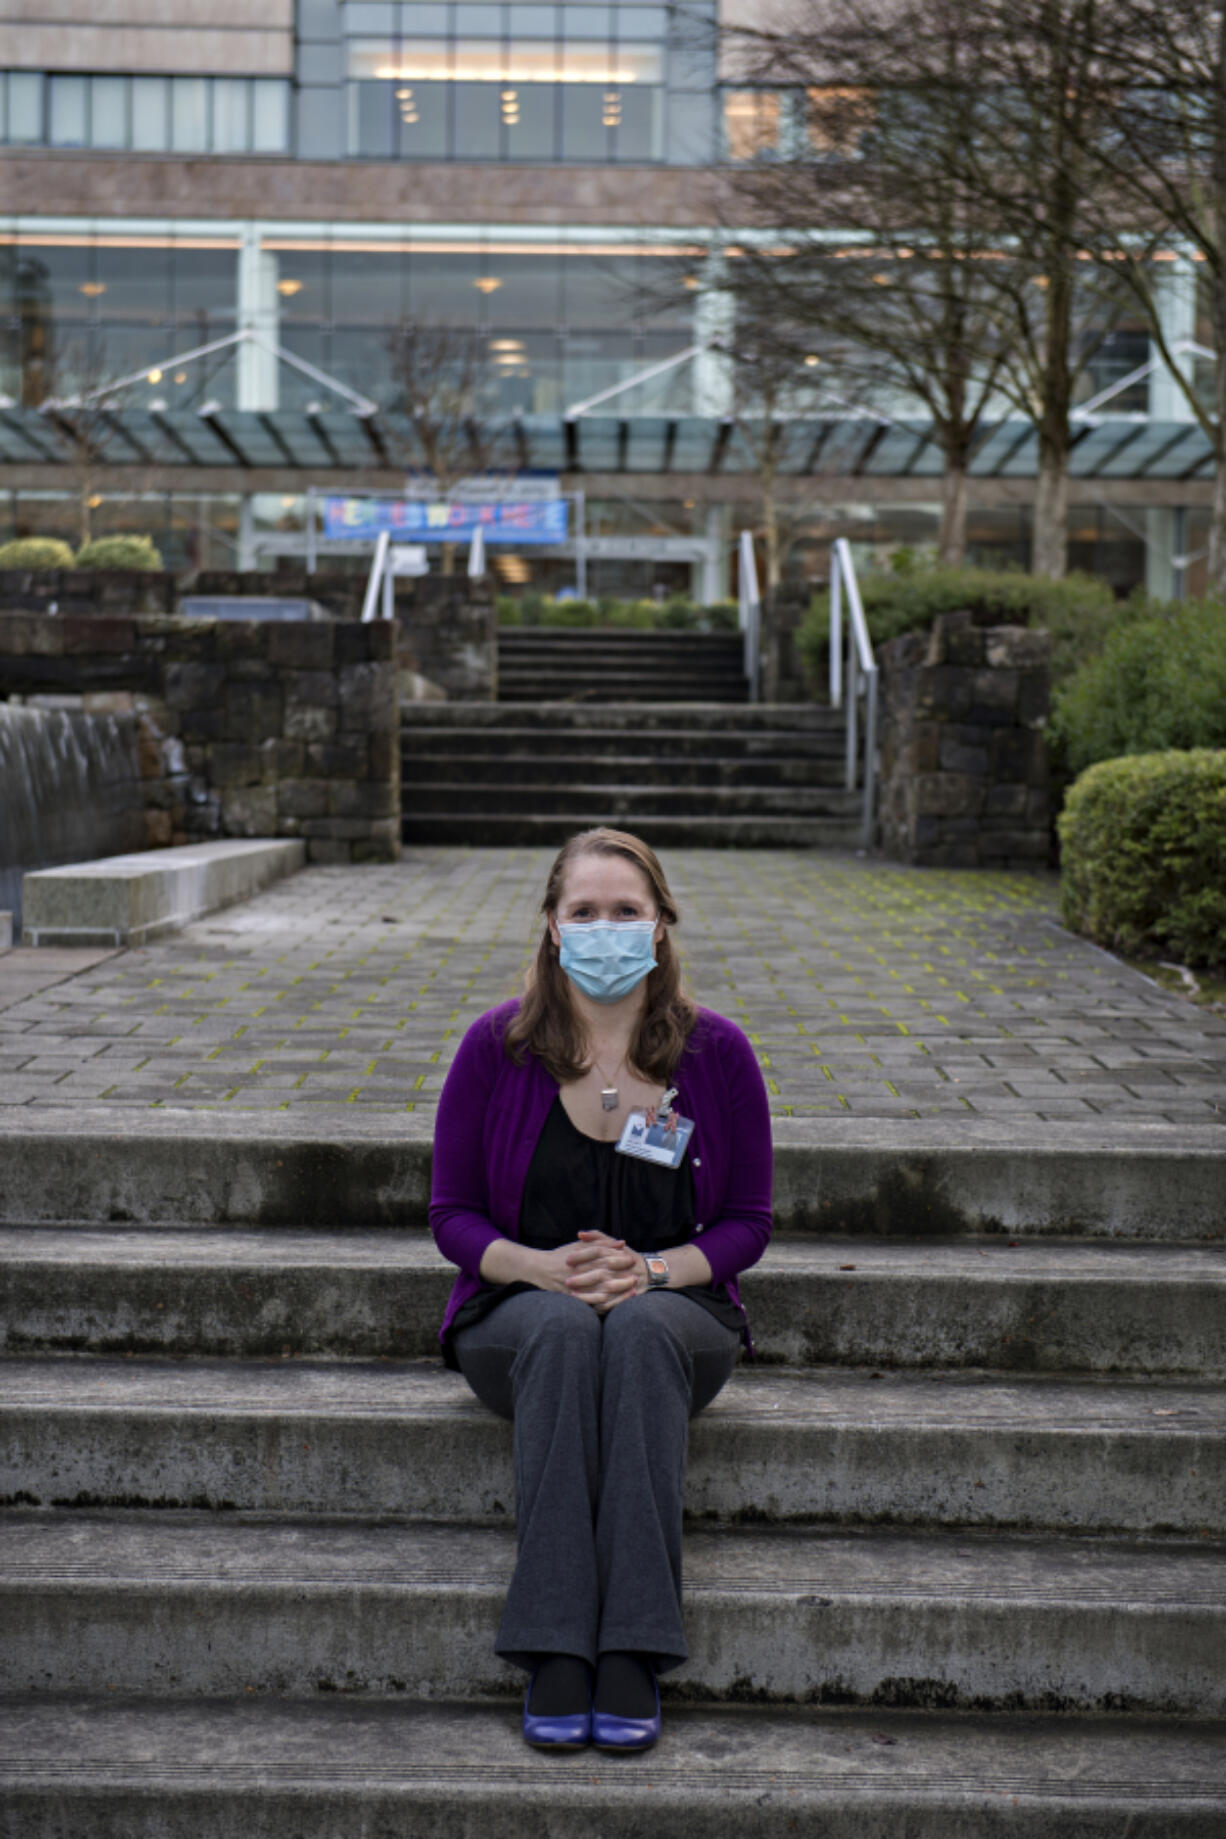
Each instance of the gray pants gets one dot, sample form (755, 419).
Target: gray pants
(601, 1406)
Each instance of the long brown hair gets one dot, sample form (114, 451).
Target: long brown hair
(547, 1024)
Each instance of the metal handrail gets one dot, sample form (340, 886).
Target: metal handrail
(862, 678)
(749, 615)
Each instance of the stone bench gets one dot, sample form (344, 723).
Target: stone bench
(131, 900)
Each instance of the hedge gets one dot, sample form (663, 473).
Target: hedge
(119, 552)
(35, 552)
(1143, 855)
(1159, 683)
(1078, 611)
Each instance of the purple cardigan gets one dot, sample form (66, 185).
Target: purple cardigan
(491, 1114)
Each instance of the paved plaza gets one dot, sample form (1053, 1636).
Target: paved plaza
(869, 989)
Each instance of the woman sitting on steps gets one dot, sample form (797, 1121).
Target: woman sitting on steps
(602, 1172)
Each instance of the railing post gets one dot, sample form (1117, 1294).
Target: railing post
(750, 619)
(377, 566)
(870, 760)
(836, 628)
(853, 692)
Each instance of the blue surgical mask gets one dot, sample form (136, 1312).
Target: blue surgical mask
(606, 959)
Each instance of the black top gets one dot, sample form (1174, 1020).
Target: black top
(578, 1184)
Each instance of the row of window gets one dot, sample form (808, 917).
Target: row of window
(522, 121)
(145, 114)
(464, 21)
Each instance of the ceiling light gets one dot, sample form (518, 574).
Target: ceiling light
(487, 284)
(811, 359)
(690, 281)
(155, 376)
(289, 288)
(180, 376)
(506, 344)
(91, 289)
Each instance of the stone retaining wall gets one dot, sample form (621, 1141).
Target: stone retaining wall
(119, 591)
(246, 729)
(964, 756)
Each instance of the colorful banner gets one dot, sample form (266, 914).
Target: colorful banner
(407, 520)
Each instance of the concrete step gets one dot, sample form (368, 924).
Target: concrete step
(580, 640)
(248, 1769)
(701, 745)
(541, 829)
(685, 716)
(778, 1445)
(533, 769)
(1030, 1307)
(536, 686)
(842, 1177)
(629, 802)
(216, 1604)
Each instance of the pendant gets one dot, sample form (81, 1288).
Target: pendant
(610, 1098)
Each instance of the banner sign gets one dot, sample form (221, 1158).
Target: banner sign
(411, 521)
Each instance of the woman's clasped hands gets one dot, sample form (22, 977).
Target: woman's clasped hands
(597, 1270)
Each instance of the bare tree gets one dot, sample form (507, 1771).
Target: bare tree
(896, 307)
(1158, 176)
(444, 387)
(75, 407)
(935, 135)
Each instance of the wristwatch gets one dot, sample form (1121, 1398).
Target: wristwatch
(657, 1272)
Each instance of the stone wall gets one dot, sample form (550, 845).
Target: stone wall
(87, 591)
(448, 624)
(964, 756)
(246, 729)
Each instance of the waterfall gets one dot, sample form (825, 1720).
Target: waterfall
(69, 792)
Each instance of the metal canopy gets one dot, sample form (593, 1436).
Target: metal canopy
(335, 440)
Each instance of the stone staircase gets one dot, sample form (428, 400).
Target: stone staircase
(761, 775)
(955, 1564)
(619, 664)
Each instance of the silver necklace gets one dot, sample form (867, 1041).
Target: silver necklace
(610, 1097)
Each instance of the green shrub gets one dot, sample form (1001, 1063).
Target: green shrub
(1160, 682)
(35, 552)
(119, 552)
(1143, 842)
(1079, 611)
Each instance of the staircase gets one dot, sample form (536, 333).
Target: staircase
(955, 1567)
(761, 775)
(619, 664)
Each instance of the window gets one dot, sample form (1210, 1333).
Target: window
(231, 115)
(422, 112)
(108, 112)
(69, 100)
(751, 123)
(149, 114)
(270, 115)
(478, 121)
(836, 120)
(25, 107)
(189, 114)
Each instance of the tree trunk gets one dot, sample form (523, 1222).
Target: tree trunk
(770, 529)
(1217, 516)
(954, 491)
(1217, 523)
(1049, 545)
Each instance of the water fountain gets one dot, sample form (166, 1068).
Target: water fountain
(69, 792)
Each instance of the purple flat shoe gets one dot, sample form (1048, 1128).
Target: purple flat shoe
(571, 1732)
(612, 1733)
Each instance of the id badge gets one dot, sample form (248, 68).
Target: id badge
(655, 1142)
